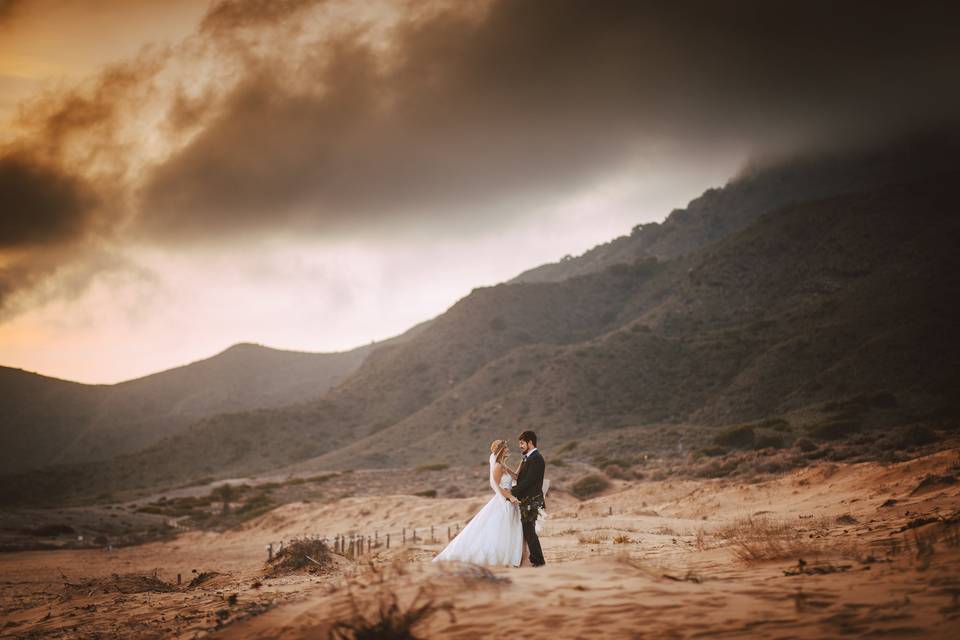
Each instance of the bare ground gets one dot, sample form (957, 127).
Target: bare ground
(879, 546)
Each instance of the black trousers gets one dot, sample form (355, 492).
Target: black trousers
(533, 542)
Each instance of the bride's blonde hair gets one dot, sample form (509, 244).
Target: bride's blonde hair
(497, 447)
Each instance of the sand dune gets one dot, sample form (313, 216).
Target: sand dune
(646, 559)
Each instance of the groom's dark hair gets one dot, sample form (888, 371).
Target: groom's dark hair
(528, 436)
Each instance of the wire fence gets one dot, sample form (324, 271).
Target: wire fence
(355, 545)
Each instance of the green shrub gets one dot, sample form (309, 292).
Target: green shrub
(768, 440)
(713, 452)
(833, 429)
(429, 493)
(739, 437)
(590, 485)
(916, 436)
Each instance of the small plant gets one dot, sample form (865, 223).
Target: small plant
(429, 493)
(623, 539)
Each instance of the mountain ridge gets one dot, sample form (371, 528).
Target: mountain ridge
(775, 320)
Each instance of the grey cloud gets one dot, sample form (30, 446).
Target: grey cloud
(40, 204)
(463, 115)
(461, 112)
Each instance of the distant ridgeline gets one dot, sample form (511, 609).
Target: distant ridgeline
(818, 295)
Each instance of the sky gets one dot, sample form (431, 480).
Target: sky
(177, 176)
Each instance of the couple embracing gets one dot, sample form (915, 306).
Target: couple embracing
(503, 532)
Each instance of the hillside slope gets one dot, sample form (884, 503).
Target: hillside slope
(826, 302)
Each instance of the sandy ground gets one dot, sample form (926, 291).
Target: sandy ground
(646, 559)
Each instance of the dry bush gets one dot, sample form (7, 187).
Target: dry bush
(592, 538)
(377, 611)
(755, 539)
(303, 553)
(386, 619)
(623, 539)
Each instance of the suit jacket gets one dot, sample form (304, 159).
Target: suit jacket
(530, 478)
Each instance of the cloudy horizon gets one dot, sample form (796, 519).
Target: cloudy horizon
(318, 174)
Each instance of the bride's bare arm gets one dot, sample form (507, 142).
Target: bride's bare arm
(497, 474)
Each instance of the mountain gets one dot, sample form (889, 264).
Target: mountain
(49, 421)
(762, 187)
(834, 316)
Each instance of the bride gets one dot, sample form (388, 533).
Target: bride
(494, 536)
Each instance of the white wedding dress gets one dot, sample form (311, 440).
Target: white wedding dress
(494, 536)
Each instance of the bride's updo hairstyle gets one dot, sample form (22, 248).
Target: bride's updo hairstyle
(497, 447)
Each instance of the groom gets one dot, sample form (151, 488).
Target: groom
(529, 490)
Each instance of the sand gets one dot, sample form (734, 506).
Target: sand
(645, 559)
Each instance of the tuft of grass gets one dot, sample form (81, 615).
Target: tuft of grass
(382, 615)
(429, 493)
(623, 539)
(757, 539)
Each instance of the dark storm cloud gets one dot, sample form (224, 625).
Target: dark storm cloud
(464, 113)
(461, 110)
(62, 183)
(41, 204)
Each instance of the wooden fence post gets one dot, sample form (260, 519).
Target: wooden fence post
(404, 533)
(388, 541)
(431, 534)
(448, 534)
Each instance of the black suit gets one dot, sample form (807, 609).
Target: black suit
(530, 485)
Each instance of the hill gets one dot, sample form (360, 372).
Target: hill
(49, 421)
(831, 318)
